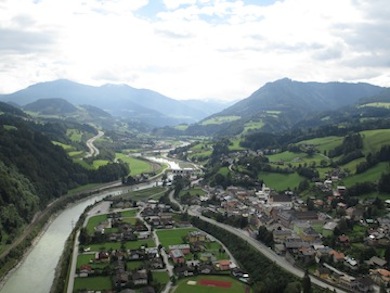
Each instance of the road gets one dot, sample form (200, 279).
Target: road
(266, 251)
(93, 151)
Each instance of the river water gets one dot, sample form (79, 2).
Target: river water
(36, 272)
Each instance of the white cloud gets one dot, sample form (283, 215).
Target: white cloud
(193, 49)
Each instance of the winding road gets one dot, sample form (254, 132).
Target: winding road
(93, 151)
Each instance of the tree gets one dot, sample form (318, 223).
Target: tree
(387, 254)
(150, 277)
(306, 283)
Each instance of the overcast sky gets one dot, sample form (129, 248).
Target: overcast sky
(193, 49)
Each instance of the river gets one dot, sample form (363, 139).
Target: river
(36, 272)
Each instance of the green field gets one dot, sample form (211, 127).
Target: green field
(223, 171)
(235, 146)
(132, 265)
(95, 221)
(193, 191)
(98, 163)
(173, 236)
(117, 245)
(253, 125)
(181, 127)
(377, 105)
(129, 213)
(372, 174)
(78, 154)
(144, 194)
(66, 147)
(280, 181)
(296, 159)
(137, 166)
(92, 283)
(236, 286)
(74, 134)
(220, 120)
(161, 277)
(373, 140)
(324, 143)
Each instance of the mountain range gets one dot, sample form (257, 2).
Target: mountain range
(281, 104)
(118, 100)
(276, 106)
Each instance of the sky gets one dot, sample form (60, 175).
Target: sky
(193, 49)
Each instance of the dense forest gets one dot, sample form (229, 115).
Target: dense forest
(34, 171)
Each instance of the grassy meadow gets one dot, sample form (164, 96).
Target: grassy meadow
(220, 120)
(281, 181)
(173, 236)
(137, 166)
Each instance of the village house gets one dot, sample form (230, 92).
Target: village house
(363, 284)
(140, 277)
(280, 235)
(343, 240)
(281, 201)
(177, 256)
(380, 276)
(205, 269)
(196, 236)
(376, 262)
(337, 256)
(184, 248)
(102, 256)
(184, 271)
(223, 265)
(85, 271)
(351, 262)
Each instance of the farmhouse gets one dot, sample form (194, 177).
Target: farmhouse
(184, 248)
(177, 256)
(197, 236)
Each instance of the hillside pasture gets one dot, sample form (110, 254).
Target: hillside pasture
(279, 181)
(235, 145)
(376, 105)
(373, 140)
(253, 125)
(324, 143)
(74, 134)
(66, 147)
(99, 163)
(181, 127)
(296, 159)
(372, 174)
(220, 120)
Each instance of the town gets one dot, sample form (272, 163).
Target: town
(151, 246)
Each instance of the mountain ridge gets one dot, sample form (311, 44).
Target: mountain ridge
(278, 105)
(119, 100)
